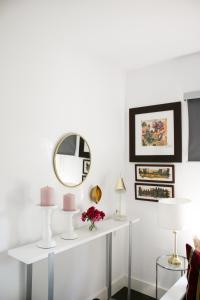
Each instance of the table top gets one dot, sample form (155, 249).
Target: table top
(31, 253)
(162, 261)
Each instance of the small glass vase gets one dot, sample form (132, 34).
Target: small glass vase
(92, 226)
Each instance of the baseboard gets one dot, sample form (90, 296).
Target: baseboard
(117, 285)
(144, 287)
(137, 285)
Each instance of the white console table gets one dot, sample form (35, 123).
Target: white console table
(29, 254)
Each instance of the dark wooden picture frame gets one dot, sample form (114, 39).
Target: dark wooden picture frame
(159, 176)
(154, 185)
(85, 166)
(82, 152)
(177, 133)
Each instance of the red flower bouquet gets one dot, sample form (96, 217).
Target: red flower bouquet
(93, 215)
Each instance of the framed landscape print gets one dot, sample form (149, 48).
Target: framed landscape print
(155, 133)
(154, 173)
(153, 192)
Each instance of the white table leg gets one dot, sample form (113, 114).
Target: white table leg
(50, 276)
(129, 261)
(109, 264)
(29, 282)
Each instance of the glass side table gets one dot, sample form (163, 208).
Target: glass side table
(162, 261)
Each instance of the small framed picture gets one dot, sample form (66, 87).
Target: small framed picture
(153, 192)
(83, 177)
(154, 173)
(86, 166)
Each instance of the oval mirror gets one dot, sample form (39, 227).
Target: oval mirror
(72, 160)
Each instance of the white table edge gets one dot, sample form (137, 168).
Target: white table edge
(67, 245)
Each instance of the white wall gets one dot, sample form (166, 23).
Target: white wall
(162, 83)
(47, 89)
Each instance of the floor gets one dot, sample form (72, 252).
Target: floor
(122, 295)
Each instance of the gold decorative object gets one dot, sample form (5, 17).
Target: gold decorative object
(95, 194)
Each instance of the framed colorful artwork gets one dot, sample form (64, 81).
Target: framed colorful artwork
(154, 173)
(153, 192)
(155, 133)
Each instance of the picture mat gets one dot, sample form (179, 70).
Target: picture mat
(154, 150)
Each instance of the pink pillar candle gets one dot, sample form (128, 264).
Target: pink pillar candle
(69, 202)
(47, 196)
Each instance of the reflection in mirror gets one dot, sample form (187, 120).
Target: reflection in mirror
(72, 160)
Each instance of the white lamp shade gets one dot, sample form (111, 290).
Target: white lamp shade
(120, 186)
(172, 213)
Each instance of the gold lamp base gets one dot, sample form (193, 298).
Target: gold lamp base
(174, 260)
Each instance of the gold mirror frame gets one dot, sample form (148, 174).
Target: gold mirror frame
(54, 160)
